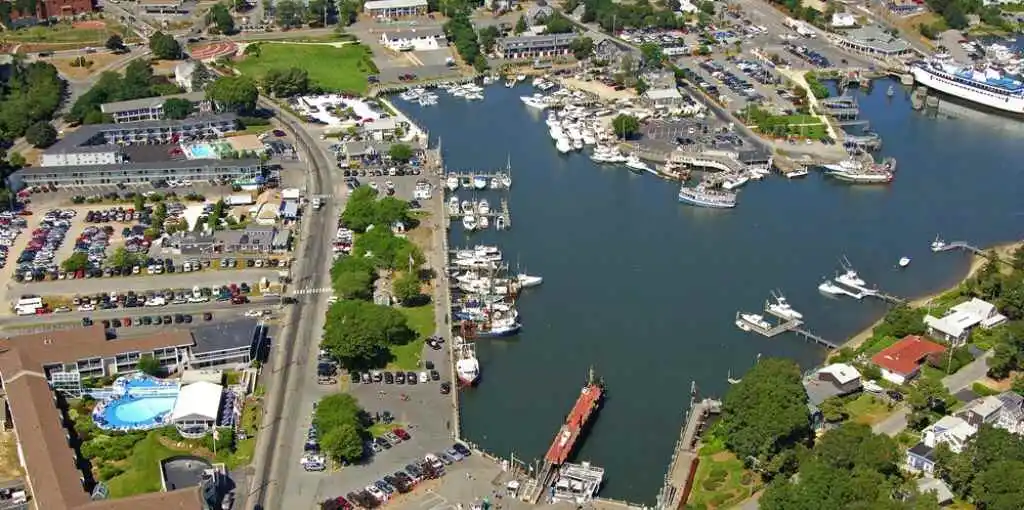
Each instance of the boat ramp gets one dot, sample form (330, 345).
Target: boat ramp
(685, 459)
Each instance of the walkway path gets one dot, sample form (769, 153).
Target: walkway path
(798, 78)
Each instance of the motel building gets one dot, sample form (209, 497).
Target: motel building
(423, 39)
(390, 9)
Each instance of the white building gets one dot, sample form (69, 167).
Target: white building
(687, 7)
(956, 325)
(843, 20)
(423, 39)
(196, 408)
(85, 156)
(388, 9)
(183, 74)
(950, 430)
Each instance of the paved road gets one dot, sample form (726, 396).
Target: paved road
(207, 278)
(275, 455)
(218, 308)
(894, 424)
(968, 375)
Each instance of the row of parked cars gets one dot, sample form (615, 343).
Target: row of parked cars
(118, 214)
(147, 320)
(734, 83)
(236, 293)
(11, 226)
(378, 493)
(37, 259)
(805, 53)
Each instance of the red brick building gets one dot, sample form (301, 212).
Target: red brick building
(53, 9)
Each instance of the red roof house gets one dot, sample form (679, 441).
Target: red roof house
(902, 360)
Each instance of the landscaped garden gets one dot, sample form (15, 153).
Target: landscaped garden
(721, 480)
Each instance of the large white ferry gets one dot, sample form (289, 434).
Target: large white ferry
(986, 86)
(704, 195)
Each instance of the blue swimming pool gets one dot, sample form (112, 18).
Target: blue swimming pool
(201, 151)
(137, 402)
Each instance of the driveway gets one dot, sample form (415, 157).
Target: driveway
(968, 375)
(894, 424)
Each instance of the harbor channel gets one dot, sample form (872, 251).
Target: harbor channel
(645, 289)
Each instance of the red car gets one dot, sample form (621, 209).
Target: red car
(400, 432)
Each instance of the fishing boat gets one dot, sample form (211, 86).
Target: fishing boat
(526, 281)
(904, 261)
(851, 279)
(633, 162)
(499, 327)
(467, 367)
(480, 182)
(938, 244)
(781, 308)
(469, 222)
(452, 182)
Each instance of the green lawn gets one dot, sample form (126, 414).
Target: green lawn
(720, 481)
(143, 471)
(379, 429)
(867, 409)
(421, 320)
(333, 69)
(59, 34)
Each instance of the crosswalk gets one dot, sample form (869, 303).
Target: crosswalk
(310, 291)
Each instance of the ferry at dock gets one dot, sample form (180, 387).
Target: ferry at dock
(985, 86)
(858, 172)
(704, 195)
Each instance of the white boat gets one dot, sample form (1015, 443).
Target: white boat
(495, 183)
(506, 179)
(536, 101)
(755, 320)
(537, 81)
(577, 144)
(510, 84)
(467, 207)
(851, 279)
(782, 308)
(799, 172)
(467, 367)
(563, 145)
(830, 288)
(520, 77)
(480, 251)
(479, 182)
(526, 281)
(735, 181)
(453, 205)
(984, 85)
(634, 162)
(483, 222)
(469, 222)
(938, 244)
(904, 261)
(483, 207)
(466, 181)
(500, 223)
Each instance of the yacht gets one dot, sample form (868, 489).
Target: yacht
(633, 162)
(480, 251)
(938, 244)
(526, 281)
(577, 144)
(830, 288)
(854, 171)
(851, 279)
(799, 172)
(510, 84)
(469, 222)
(563, 145)
(537, 81)
(495, 183)
(452, 182)
(782, 308)
(520, 77)
(483, 207)
(703, 195)
(735, 181)
(752, 319)
(536, 101)
(981, 84)
(479, 182)
(467, 367)
(904, 261)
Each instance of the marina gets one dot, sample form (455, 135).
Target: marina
(678, 481)
(623, 230)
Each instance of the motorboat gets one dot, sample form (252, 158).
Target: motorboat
(633, 162)
(500, 223)
(755, 320)
(904, 261)
(467, 207)
(480, 252)
(526, 281)
(851, 279)
(506, 180)
(483, 222)
(536, 101)
(704, 195)
(469, 222)
(577, 144)
(520, 77)
(453, 205)
(483, 207)
(938, 244)
(781, 308)
(479, 182)
(830, 288)
(735, 181)
(495, 183)
(799, 172)
(510, 84)
(466, 181)
(452, 182)
(563, 145)
(467, 367)
(499, 327)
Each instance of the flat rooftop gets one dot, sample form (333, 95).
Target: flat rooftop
(94, 136)
(151, 102)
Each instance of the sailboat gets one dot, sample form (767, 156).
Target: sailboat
(506, 177)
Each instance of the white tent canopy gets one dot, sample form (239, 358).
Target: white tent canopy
(198, 401)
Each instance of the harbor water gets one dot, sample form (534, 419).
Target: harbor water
(645, 289)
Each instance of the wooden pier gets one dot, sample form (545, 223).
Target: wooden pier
(788, 324)
(815, 338)
(961, 245)
(685, 459)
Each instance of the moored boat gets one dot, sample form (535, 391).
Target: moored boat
(704, 195)
(452, 182)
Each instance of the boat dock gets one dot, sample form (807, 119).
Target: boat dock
(685, 459)
(788, 324)
(566, 441)
(842, 107)
(815, 338)
(959, 245)
(868, 142)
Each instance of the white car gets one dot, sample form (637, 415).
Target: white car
(376, 493)
(86, 308)
(424, 377)
(253, 313)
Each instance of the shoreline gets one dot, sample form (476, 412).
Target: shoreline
(977, 262)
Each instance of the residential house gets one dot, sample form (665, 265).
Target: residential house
(952, 431)
(834, 380)
(901, 361)
(956, 325)
(534, 46)
(416, 39)
(616, 54)
(390, 9)
(385, 129)
(981, 411)
(538, 14)
(1011, 418)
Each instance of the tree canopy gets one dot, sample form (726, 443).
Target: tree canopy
(358, 333)
(137, 82)
(625, 126)
(407, 288)
(41, 134)
(386, 250)
(353, 277)
(558, 24)
(400, 152)
(177, 108)
(219, 17)
(30, 94)
(236, 93)
(459, 29)
(341, 426)
(286, 82)
(989, 470)
(115, 43)
(363, 209)
(164, 46)
(766, 412)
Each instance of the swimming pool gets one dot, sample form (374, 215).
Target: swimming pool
(200, 151)
(137, 402)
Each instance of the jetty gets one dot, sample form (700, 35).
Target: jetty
(681, 469)
(787, 325)
(567, 438)
(959, 245)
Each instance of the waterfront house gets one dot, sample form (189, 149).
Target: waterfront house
(384, 129)
(835, 380)
(416, 39)
(390, 9)
(952, 431)
(534, 46)
(901, 361)
(956, 325)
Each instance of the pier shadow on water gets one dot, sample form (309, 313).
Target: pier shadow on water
(645, 289)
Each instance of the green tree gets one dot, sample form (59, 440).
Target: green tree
(488, 36)
(221, 18)
(122, 258)
(339, 419)
(149, 365)
(766, 412)
(582, 48)
(625, 126)
(139, 202)
(236, 93)
(286, 82)
(558, 24)
(407, 288)
(652, 55)
(201, 76)
(41, 134)
(353, 277)
(357, 334)
(76, 262)
(833, 410)
(288, 13)
(164, 46)
(400, 152)
(176, 108)
(521, 25)
(115, 43)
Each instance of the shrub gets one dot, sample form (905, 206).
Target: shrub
(718, 474)
(711, 485)
(108, 471)
(747, 478)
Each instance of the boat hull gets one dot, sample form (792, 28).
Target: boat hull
(691, 200)
(861, 179)
(1006, 103)
(499, 333)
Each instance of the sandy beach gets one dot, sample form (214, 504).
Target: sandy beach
(1004, 251)
(598, 89)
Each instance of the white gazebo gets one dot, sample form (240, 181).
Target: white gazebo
(195, 411)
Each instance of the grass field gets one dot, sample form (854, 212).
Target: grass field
(333, 69)
(867, 409)
(142, 474)
(421, 320)
(61, 34)
(720, 481)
